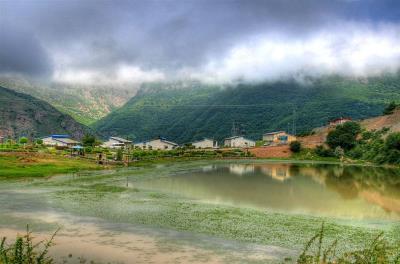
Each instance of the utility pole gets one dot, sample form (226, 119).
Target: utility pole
(234, 130)
(294, 121)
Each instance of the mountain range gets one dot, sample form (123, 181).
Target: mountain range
(24, 115)
(184, 111)
(85, 103)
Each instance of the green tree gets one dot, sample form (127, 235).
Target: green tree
(390, 108)
(39, 141)
(295, 146)
(89, 140)
(344, 136)
(119, 155)
(23, 140)
(393, 141)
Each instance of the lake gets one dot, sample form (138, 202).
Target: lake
(238, 211)
(357, 192)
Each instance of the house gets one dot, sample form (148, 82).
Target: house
(339, 121)
(205, 143)
(239, 142)
(157, 144)
(278, 138)
(116, 142)
(59, 141)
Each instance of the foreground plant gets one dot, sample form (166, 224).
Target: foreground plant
(380, 251)
(25, 251)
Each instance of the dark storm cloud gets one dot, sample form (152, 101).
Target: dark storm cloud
(165, 35)
(20, 52)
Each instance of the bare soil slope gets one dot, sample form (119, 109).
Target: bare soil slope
(389, 121)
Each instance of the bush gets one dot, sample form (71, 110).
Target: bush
(25, 251)
(295, 146)
(378, 251)
(393, 141)
(23, 140)
(324, 152)
(344, 136)
(389, 109)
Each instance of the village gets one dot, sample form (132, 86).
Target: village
(270, 145)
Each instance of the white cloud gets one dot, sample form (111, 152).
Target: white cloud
(123, 74)
(352, 50)
(355, 50)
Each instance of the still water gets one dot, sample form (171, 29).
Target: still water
(355, 192)
(97, 222)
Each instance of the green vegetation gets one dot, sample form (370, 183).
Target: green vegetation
(295, 146)
(25, 251)
(90, 140)
(380, 251)
(390, 108)
(16, 165)
(184, 112)
(23, 140)
(161, 209)
(344, 136)
(138, 154)
(349, 141)
(85, 104)
(25, 116)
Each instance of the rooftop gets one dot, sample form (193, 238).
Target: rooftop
(121, 139)
(60, 136)
(66, 140)
(274, 133)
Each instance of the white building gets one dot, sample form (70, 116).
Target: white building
(157, 144)
(205, 143)
(116, 142)
(59, 141)
(239, 142)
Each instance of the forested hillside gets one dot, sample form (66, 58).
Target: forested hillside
(86, 104)
(185, 112)
(24, 115)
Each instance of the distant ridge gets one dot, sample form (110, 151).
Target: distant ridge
(184, 112)
(24, 115)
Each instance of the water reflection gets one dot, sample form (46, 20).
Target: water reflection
(319, 189)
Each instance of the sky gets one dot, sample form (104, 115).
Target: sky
(217, 41)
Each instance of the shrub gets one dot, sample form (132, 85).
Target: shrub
(25, 251)
(393, 141)
(324, 152)
(344, 136)
(379, 251)
(23, 140)
(390, 108)
(295, 146)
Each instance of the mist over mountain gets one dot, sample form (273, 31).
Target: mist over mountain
(85, 103)
(185, 112)
(203, 65)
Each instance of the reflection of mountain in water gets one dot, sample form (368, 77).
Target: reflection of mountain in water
(333, 190)
(376, 185)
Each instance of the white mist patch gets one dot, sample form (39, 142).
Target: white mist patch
(124, 74)
(348, 51)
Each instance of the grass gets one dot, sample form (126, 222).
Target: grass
(25, 251)
(378, 251)
(17, 165)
